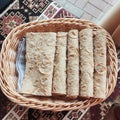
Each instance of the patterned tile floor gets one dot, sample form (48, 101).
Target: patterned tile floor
(88, 9)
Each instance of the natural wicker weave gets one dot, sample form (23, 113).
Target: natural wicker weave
(8, 74)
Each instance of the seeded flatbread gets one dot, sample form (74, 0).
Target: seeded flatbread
(59, 79)
(86, 62)
(100, 64)
(40, 50)
(73, 64)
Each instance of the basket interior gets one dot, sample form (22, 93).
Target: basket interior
(9, 74)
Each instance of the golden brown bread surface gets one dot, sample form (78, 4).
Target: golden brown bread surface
(73, 64)
(86, 62)
(40, 50)
(59, 76)
(69, 63)
(100, 64)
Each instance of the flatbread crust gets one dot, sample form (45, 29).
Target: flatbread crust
(100, 64)
(73, 64)
(86, 62)
(40, 50)
(59, 79)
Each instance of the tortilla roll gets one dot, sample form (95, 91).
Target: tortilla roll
(86, 62)
(100, 64)
(40, 50)
(59, 79)
(73, 64)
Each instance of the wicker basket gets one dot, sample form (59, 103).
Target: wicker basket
(8, 74)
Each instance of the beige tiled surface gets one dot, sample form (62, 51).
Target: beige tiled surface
(88, 9)
(73, 9)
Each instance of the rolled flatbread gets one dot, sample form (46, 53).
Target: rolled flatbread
(86, 62)
(59, 79)
(100, 64)
(40, 50)
(73, 64)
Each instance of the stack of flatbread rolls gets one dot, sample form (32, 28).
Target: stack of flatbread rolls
(71, 64)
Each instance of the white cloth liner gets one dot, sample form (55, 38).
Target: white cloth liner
(21, 62)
